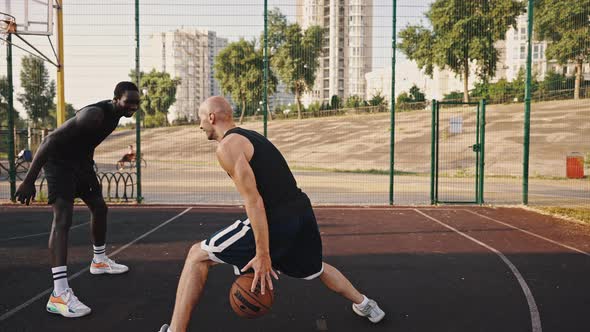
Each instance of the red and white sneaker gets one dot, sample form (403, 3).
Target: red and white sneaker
(108, 266)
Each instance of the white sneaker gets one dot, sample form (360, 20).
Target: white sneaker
(108, 266)
(371, 311)
(164, 328)
(67, 305)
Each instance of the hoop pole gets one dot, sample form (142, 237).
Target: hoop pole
(61, 102)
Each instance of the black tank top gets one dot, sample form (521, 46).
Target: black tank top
(274, 179)
(82, 147)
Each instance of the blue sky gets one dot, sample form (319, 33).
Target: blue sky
(100, 45)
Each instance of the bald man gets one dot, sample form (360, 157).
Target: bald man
(280, 232)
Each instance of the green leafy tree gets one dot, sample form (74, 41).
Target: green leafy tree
(39, 91)
(354, 101)
(277, 27)
(4, 91)
(296, 54)
(417, 95)
(463, 32)
(482, 90)
(556, 84)
(554, 81)
(403, 98)
(453, 95)
(378, 100)
(414, 96)
(70, 113)
(239, 68)
(314, 107)
(161, 95)
(566, 25)
(519, 84)
(51, 119)
(335, 102)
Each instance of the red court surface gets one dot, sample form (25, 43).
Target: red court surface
(460, 269)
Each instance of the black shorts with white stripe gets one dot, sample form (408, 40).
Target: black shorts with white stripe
(295, 245)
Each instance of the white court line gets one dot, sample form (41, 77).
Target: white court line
(534, 311)
(74, 276)
(38, 234)
(533, 234)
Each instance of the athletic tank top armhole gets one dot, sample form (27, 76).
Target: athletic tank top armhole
(235, 130)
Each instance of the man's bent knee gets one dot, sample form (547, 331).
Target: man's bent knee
(197, 255)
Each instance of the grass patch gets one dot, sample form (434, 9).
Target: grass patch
(580, 214)
(184, 162)
(41, 197)
(353, 171)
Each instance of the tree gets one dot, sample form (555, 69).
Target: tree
(239, 68)
(481, 90)
(453, 95)
(70, 111)
(256, 88)
(52, 117)
(566, 25)
(277, 26)
(463, 31)
(403, 98)
(417, 95)
(378, 100)
(554, 84)
(354, 101)
(335, 102)
(160, 96)
(4, 91)
(296, 56)
(39, 91)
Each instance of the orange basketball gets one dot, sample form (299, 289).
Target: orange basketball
(249, 304)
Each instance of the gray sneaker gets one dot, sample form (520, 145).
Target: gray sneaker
(164, 328)
(371, 311)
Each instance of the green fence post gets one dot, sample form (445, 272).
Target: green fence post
(265, 91)
(11, 165)
(527, 109)
(482, 150)
(138, 113)
(392, 129)
(432, 152)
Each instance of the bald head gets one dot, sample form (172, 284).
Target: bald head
(216, 105)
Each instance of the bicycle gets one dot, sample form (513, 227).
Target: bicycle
(21, 165)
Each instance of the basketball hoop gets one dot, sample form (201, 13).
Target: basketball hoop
(7, 24)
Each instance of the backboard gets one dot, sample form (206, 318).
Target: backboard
(32, 17)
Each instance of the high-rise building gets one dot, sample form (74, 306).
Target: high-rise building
(515, 55)
(348, 46)
(189, 55)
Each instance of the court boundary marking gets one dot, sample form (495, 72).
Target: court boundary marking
(38, 234)
(532, 234)
(79, 273)
(533, 309)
